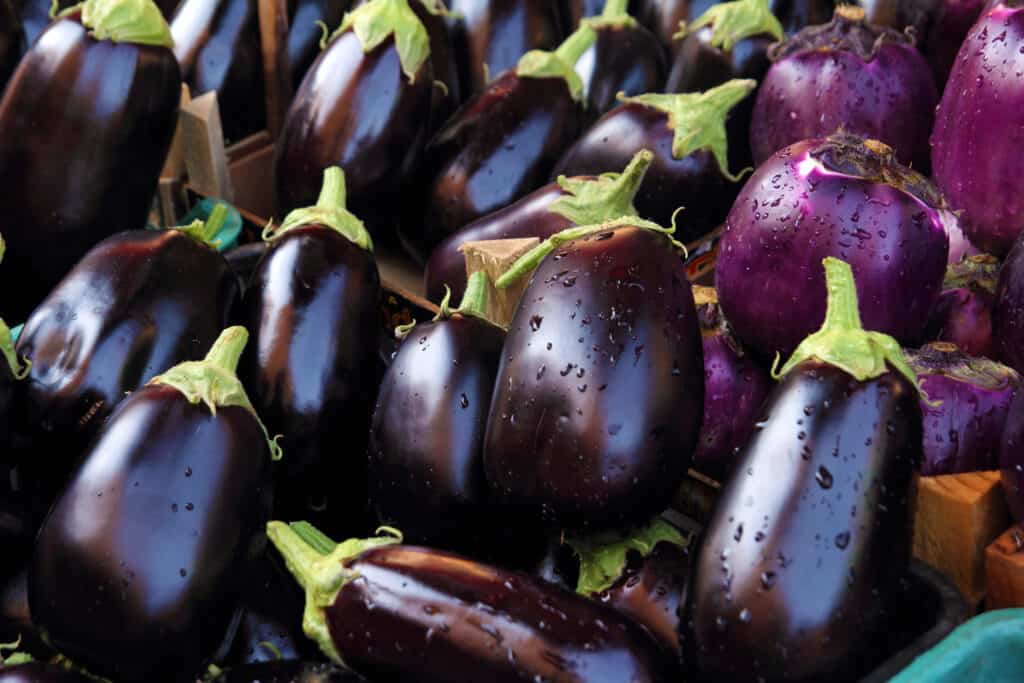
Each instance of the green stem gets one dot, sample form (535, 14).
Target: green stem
(576, 44)
(329, 211)
(300, 557)
(613, 9)
(206, 231)
(314, 537)
(124, 21)
(589, 201)
(474, 300)
(227, 350)
(841, 311)
(332, 194)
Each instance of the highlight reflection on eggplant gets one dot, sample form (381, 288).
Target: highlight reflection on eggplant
(305, 34)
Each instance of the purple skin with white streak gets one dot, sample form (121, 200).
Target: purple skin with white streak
(964, 415)
(978, 150)
(840, 197)
(871, 81)
(963, 312)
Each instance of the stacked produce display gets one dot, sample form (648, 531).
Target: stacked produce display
(604, 341)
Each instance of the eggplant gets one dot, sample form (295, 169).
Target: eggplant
(426, 439)
(40, 672)
(844, 197)
(600, 392)
(500, 146)
(305, 33)
(287, 671)
(314, 307)
(244, 260)
(136, 304)
(625, 58)
(663, 17)
(730, 40)
(965, 412)
(77, 167)
(867, 80)
(1011, 464)
(964, 310)
(582, 200)
(687, 133)
(976, 152)
(490, 36)
(10, 40)
(137, 569)
(416, 614)
(364, 105)
(735, 388)
(900, 14)
(575, 10)
(947, 33)
(809, 540)
(1008, 311)
(34, 17)
(217, 43)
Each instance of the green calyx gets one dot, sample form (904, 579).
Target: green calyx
(615, 15)
(206, 232)
(377, 20)
(603, 556)
(698, 119)
(842, 340)
(322, 576)
(591, 201)
(214, 382)
(732, 22)
(562, 62)
(124, 21)
(474, 300)
(329, 210)
(531, 259)
(19, 368)
(15, 658)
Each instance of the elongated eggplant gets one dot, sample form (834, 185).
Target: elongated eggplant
(313, 306)
(136, 304)
(963, 312)
(810, 539)
(583, 200)
(76, 166)
(40, 672)
(287, 671)
(305, 33)
(600, 392)
(445, 617)
(490, 36)
(499, 146)
(364, 105)
(687, 133)
(138, 569)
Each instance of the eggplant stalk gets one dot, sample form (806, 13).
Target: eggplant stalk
(124, 21)
(562, 62)
(329, 211)
(589, 201)
(732, 22)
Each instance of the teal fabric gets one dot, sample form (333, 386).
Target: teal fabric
(988, 648)
(16, 332)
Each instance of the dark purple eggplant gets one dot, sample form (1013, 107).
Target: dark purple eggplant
(490, 36)
(244, 260)
(947, 33)
(687, 133)
(138, 568)
(1011, 462)
(305, 32)
(136, 304)
(217, 43)
(599, 396)
(663, 17)
(1008, 312)
(10, 40)
(416, 614)
(963, 313)
(735, 388)
(40, 672)
(287, 671)
(314, 306)
(625, 58)
(426, 440)
(85, 125)
(567, 202)
(810, 539)
(365, 105)
(499, 146)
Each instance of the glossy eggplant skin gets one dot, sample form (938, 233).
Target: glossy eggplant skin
(600, 392)
(426, 440)
(485, 157)
(497, 33)
(34, 16)
(311, 369)
(452, 619)
(76, 166)
(662, 17)
(527, 217)
(39, 672)
(304, 34)
(809, 540)
(694, 182)
(288, 671)
(217, 44)
(244, 260)
(623, 59)
(176, 499)
(359, 111)
(138, 303)
(445, 100)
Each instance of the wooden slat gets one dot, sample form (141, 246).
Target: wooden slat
(1004, 570)
(277, 84)
(205, 158)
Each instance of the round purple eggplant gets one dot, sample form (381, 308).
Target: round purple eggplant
(365, 105)
(809, 540)
(583, 200)
(217, 43)
(735, 388)
(1011, 462)
(77, 167)
(448, 618)
(138, 569)
(599, 396)
(490, 36)
(136, 304)
(426, 440)
(947, 33)
(500, 146)
(964, 310)
(965, 410)
(287, 671)
(314, 306)
(305, 33)
(844, 197)
(976, 150)
(848, 75)
(687, 133)
(40, 672)
(1008, 311)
